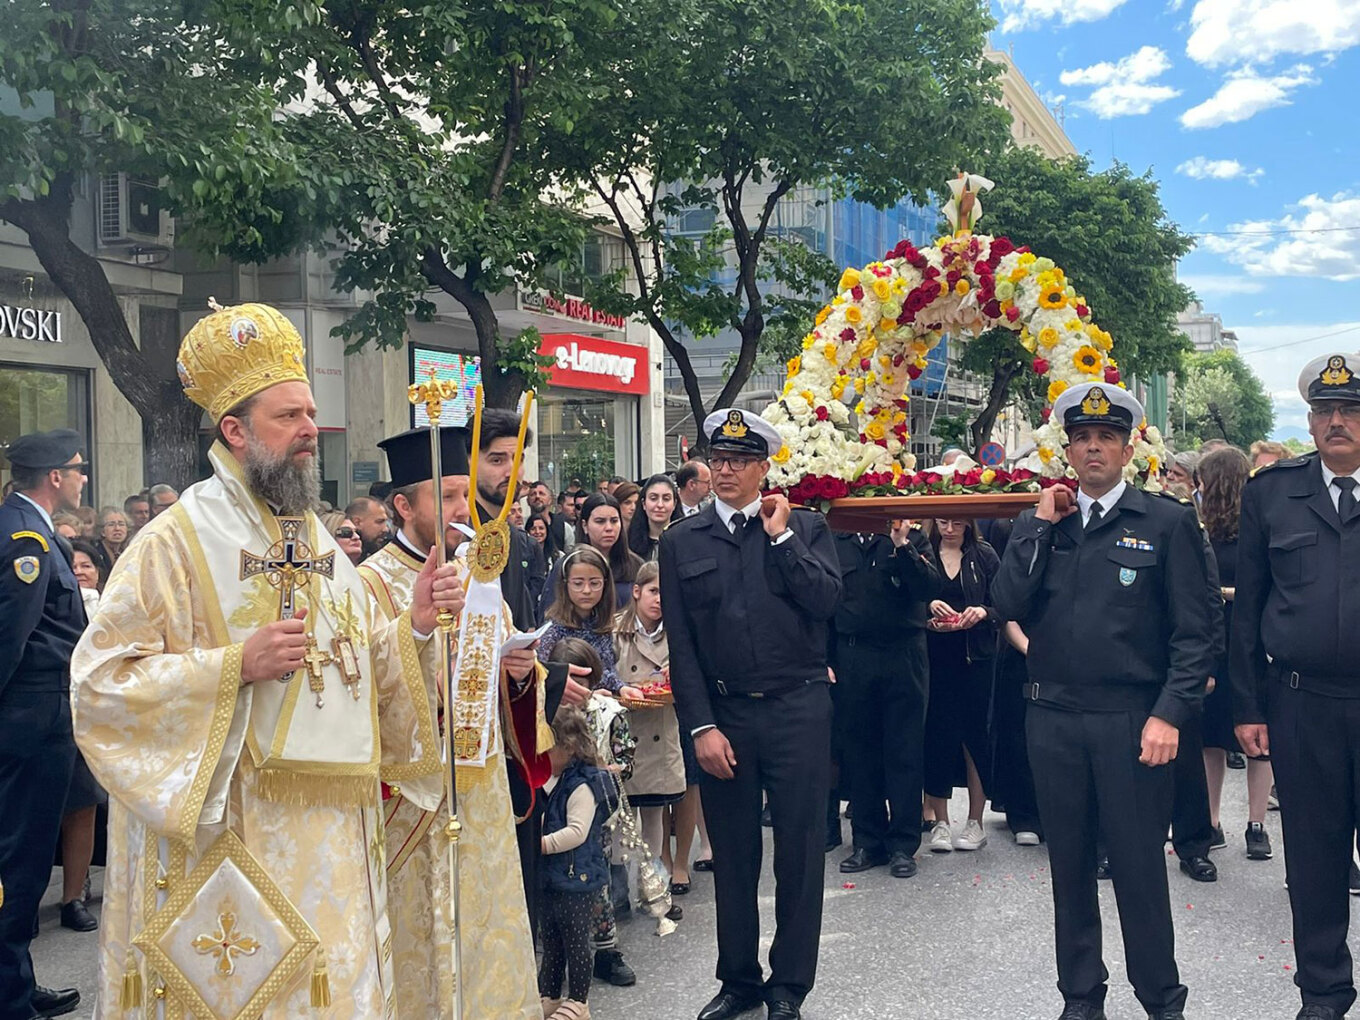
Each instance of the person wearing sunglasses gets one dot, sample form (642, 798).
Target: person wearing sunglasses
(346, 535)
(41, 618)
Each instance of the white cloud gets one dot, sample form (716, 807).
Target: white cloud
(1126, 87)
(1246, 93)
(1202, 168)
(1023, 14)
(1210, 285)
(1325, 233)
(1231, 32)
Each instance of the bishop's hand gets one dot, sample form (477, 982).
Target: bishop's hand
(437, 589)
(275, 650)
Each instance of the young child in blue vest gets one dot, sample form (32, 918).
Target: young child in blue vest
(581, 796)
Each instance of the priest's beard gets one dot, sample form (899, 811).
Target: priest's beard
(292, 488)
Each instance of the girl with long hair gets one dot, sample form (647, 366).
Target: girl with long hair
(599, 526)
(659, 498)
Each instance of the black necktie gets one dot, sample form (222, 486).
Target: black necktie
(1345, 506)
(1097, 512)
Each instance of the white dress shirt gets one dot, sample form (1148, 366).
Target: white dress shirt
(750, 512)
(1107, 501)
(1327, 475)
(47, 518)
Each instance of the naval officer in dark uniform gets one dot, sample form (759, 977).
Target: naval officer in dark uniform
(41, 618)
(1110, 587)
(1295, 671)
(749, 589)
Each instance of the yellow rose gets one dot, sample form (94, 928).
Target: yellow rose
(1154, 465)
(874, 430)
(783, 456)
(1045, 454)
(988, 476)
(1048, 336)
(866, 347)
(807, 395)
(853, 315)
(882, 289)
(822, 315)
(849, 279)
(1055, 389)
(830, 351)
(961, 287)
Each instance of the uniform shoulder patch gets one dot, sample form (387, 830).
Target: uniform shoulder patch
(27, 568)
(41, 540)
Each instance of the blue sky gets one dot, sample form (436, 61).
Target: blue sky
(1248, 112)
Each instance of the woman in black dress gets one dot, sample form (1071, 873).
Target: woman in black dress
(961, 637)
(1222, 474)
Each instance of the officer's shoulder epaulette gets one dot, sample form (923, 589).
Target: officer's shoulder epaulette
(1169, 495)
(20, 536)
(800, 506)
(1292, 462)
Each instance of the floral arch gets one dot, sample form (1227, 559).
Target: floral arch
(876, 336)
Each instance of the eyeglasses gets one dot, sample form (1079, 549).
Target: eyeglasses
(83, 467)
(345, 533)
(582, 584)
(1348, 412)
(719, 462)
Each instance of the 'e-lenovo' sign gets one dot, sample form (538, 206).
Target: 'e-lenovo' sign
(30, 324)
(590, 363)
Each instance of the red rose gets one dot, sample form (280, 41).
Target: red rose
(1111, 375)
(857, 292)
(983, 269)
(973, 477)
(992, 309)
(952, 277)
(1001, 246)
(913, 372)
(930, 478)
(848, 336)
(823, 414)
(1045, 414)
(865, 364)
(1021, 475)
(931, 272)
(1012, 313)
(1040, 366)
(1083, 311)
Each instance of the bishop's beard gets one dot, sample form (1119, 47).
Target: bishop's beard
(292, 488)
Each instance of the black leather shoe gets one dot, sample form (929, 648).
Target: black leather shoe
(610, 967)
(54, 1001)
(1102, 870)
(702, 864)
(76, 916)
(780, 1010)
(902, 865)
(1317, 1011)
(1201, 869)
(833, 840)
(679, 888)
(862, 860)
(1082, 1011)
(728, 1004)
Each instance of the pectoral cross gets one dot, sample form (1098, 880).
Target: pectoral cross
(285, 566)
(315, 659)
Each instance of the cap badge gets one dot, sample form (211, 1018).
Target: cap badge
(1096, 402)
(736, 427)
(242, 331)
(1336, 373)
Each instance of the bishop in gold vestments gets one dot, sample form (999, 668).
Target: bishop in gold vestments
(201, 752)
(497, 946)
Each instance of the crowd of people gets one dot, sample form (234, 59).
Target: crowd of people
(712, 661)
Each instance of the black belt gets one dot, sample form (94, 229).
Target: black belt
(772, 692)
(1089, 697)
(1327, 686)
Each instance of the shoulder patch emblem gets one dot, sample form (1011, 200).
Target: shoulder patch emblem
(27, 568)
(33, 535)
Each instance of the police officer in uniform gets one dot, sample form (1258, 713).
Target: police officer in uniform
(1294, 669)
(878, 651)
(1110, 587)
(41, 618)
(749, 589)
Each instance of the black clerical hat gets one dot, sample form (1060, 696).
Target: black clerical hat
(408, 454)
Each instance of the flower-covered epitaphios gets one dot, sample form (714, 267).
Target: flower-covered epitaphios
(877, 333)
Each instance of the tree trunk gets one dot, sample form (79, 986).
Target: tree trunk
(1003, 371)
(501, 389)
(167, 415)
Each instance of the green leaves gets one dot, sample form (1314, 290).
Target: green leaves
(1218, 396)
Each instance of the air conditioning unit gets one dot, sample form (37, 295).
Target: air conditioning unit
(129, 214)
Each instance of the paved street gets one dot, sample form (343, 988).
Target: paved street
(969, 937)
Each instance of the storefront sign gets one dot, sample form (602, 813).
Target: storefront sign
(363, 472)
(589, 363)
(572, 308)
(30, 324)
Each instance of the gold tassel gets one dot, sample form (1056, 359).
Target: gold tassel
(132, 985)
(321, 982)
(304, 789)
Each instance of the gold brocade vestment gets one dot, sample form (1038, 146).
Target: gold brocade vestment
(498, 950)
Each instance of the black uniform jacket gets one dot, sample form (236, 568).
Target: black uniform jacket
(41, 618)
(886, 591)
(745, 614)
(1298, 588)
(1118, 606)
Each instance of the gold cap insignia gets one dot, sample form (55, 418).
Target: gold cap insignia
(736, 427)
(1096, 402)
(1336, 373)
(233, 353)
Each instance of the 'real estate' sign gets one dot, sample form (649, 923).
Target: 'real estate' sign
(30, 324)
(571, 308)
(590, 363)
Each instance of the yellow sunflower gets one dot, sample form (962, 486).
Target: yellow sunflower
(1055, 389)
(795, 363)
(1088, 360)
(822, 315)
(1052, 296)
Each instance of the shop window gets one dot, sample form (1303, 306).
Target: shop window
(38, 400)
(576, 438)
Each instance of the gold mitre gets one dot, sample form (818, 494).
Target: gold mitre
(234, 353)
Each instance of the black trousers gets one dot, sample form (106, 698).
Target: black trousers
(1012, 781)
(1192, 830)
(783, 749)
(1090, 785)
(566, 944)
(881, 718)
(1315, 749)
(36, 755)
(528, 837)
